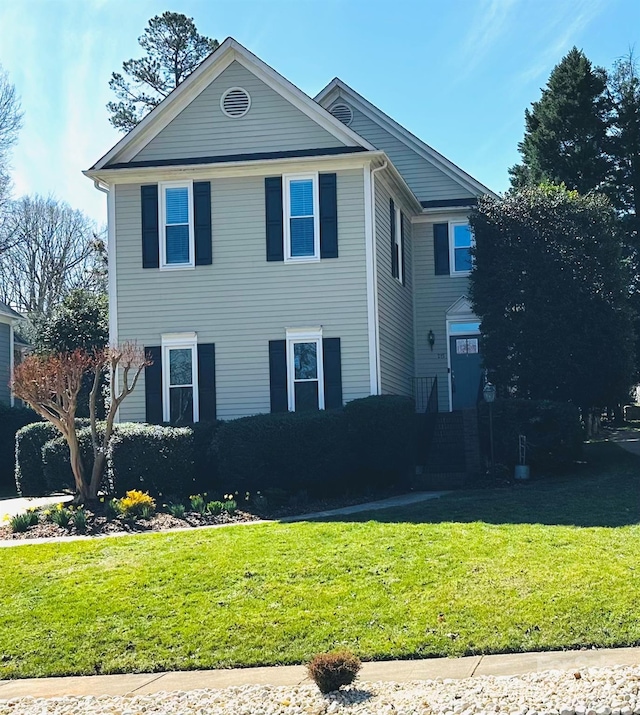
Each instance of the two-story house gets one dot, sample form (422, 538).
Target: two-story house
(275, 252)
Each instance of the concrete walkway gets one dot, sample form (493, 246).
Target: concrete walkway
(15, 506)
(392, 671)
(11, 507)
(628, 439)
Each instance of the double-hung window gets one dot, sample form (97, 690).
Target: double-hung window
(301, 217)
(180, 378)
(460, 242)
(176, 225)
(305, 372)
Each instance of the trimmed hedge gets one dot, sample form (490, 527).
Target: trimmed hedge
(11, 420)
(289, 451)
(370, 443)
(29, 475)
(152, 458)
(553, 431)
(382, 437)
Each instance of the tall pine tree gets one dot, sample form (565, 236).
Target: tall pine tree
(566, 130)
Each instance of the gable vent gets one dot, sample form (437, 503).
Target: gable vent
(343, 113)
(235, 102)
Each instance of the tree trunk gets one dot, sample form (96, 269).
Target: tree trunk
(99, 461)
(82, 493)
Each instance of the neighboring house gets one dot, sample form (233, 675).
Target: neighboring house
(8, 319)
(273, 252)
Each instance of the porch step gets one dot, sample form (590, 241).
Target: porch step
(451, 452)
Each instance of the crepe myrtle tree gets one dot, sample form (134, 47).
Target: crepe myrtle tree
(50, 385)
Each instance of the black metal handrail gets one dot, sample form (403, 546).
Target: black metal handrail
(423, 393)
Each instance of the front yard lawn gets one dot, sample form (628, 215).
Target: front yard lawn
(543, 566)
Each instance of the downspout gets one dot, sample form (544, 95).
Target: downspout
(100, 187)
(375, 275)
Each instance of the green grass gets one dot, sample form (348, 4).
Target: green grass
(553, 564)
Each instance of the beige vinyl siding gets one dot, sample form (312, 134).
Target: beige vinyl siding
(272, 124)
(5, 362)
(395, 304)
(425, 180)
(241, 301)
(433, 297)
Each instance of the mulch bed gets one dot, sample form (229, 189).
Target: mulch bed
(98, 525)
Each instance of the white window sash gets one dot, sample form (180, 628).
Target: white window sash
(187, 341)
(452, 247)
(162, 224)
(286, 208)
(304, 336)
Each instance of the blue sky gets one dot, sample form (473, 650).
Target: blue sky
(458, 73)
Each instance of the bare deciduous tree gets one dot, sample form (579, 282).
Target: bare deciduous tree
(10, 123)
(53, 252)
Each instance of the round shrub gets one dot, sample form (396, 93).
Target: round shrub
(331, 671)
(56, 463)
(152, 458)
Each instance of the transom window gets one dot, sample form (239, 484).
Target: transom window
(460, 241)
(180, 379)
(305, 371)
(461, 328)
(176, 225)
(301, 217)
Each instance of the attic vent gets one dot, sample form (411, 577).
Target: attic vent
(343, 113)
(235, 102)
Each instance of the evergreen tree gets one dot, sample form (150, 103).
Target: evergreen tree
(624, 87)
(566, 130)
(551, 288)
(174, 48)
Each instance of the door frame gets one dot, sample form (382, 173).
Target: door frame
(469, 318)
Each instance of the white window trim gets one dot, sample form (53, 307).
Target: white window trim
(304, 335)
(177, 341)
(398, 241)
(452, 249)
(164, 266)
(286, 208)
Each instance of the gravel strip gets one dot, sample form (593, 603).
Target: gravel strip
(591, 691)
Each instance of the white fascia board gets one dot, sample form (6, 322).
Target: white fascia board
(338, 88)
(258, 167)
(447, 213)
(200, 79)
(396, 183)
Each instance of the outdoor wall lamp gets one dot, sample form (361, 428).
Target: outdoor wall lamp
(431, 338)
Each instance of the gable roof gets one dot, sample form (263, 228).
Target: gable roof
(210, 68)
(9, 312)
(337, 88)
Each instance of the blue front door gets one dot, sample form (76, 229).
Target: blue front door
(466, 370)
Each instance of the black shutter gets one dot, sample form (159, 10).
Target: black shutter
(153, 386)
(332, 373)
(150, 235)
(274, 221)
(328, 216)
(202, 221)
(392, 230)
(402, 249)
(278, 375)
(441, 248)
(207, 381)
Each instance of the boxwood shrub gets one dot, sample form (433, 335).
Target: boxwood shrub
(11, 420)
(553, 431)
(56, 464)
(152, 458)
(29, 475)
(289, 451)
(382, 435)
